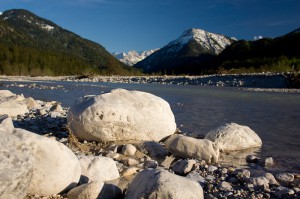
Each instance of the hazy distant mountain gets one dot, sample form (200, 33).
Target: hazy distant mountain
(31, 45)
(132, 57)
(188, 54)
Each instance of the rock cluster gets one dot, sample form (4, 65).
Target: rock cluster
(55, 165)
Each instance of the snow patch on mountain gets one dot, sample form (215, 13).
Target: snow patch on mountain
(0, 13)
(207, 40)
(132, 57)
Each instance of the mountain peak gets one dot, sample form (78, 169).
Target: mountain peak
(212, 42)
(132, 57)
(27, 17)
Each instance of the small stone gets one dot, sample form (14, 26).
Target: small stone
(224, 171)
(260, 182)
(271, 179)
(112, 155)
(285, 178)
(151, 164)
(167, 162)
(210, 178)
(131, 162)
(252, 159)
(183, 167)
(212, 168)
(225, 186)
(269, 162)
(128, 149)
(193, 175)
(130, 171)
(242, 174)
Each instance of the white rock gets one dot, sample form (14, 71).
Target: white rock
(122, 116)
(55, 168)
(6, 123)
(231, 136)
(260, 182)
(128, 149)
(16, 165)
(271, 179)
(31, 103)
(188, 147)
(163, 184)
(10, 104)
(225, 186)
(98, 168)
(86, 191)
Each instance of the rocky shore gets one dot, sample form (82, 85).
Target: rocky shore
(49, 151)
(278, 82)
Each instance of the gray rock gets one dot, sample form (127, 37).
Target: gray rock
(128, 149)
(166, 163)
(163, 184)
(231, 136)
(151, 164)
(183, 167)
(252, 159)
(271, 179)
(285, 178)
(243, 174)
(225, 186)
(212, 168)
(269, 162)
(189, 147)
(193, 175)
(85, 191)
(98, 168)
(260, 182)
(122, 115)
(153, 149)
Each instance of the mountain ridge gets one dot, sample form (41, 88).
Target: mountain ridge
(194, 48)
(22, 29)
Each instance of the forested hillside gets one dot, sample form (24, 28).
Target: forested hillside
(30, 45)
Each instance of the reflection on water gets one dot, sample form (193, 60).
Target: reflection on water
(273, 116)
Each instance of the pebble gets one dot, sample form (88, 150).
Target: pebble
(128, 149)
(269, 162)
(285, 177)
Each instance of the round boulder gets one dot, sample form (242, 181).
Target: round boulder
(55, 166)
(121, 115)
(188, 147)
(163, 184)
(16, 165)
(232, 136)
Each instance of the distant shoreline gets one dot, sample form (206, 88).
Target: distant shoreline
(262, 82)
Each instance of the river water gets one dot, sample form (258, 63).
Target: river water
(275, 117)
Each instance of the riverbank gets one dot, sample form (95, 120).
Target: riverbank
(276, 82)
(48, 119)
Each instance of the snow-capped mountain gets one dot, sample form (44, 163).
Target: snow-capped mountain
(208, 41)
(132, 57)
(192, 49)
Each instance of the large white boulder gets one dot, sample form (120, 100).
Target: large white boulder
(163, 184)
(16, 164)
(188, 147)
(55, 166)
(232, 136)
(11, 104)
(122, 115)
(98, 168)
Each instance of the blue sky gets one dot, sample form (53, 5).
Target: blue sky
(123, 25)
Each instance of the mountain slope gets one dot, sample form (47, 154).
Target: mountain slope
(188, 54)
(132, 57)
(280, 54)
(52, 50)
